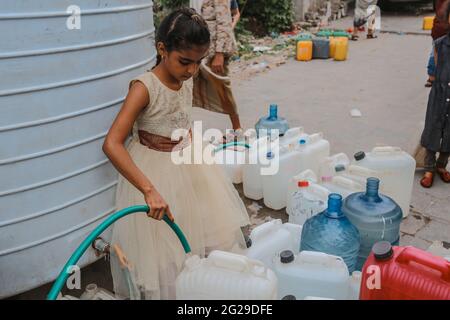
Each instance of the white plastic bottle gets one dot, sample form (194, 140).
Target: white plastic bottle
(307, 201)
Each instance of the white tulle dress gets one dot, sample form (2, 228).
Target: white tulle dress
(204, 202)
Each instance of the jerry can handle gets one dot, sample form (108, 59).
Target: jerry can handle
(425, 259)
(316, 137)
(341, 158)
(233, 261)
(387, 149)
(264, 229)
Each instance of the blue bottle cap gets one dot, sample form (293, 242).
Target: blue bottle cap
(269, 155)
(302, 141)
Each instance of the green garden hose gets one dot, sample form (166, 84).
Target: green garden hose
(62, 278)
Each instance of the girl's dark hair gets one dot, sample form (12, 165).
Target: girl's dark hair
(182, 29)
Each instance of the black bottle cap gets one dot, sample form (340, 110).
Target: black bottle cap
(359, 155)
(382, 250)
(286, 256)
(289, 297)
(339, 168)
(248, 241)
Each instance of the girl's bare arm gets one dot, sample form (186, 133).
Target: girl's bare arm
(114, 148)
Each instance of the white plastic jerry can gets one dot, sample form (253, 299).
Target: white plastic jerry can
(333, 165)
(257, 160)
(288, 162)
(269, 239)
(313, 148)
(342, 186)
(251, 171)
(395, 170)
(312, 274)
(225, 276)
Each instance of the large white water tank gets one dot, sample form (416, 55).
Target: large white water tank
(64, 75)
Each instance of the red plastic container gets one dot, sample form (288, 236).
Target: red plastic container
(404, 273)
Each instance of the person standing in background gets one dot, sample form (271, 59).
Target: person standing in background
(440, 28)
(212, 87)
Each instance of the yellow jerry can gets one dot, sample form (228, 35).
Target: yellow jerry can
(304, 50)
(332, 46)
(341, 50)
(428, 23)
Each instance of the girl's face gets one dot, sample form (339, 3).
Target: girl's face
(183, 64)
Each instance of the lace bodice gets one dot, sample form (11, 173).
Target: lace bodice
(167, 110)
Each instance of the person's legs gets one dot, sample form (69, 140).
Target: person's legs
(441, 165)
(430, 165)
(371, 27)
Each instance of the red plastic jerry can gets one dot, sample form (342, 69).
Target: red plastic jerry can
(404, 273)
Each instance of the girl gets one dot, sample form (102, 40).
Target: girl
(436, 134)
(198, 197)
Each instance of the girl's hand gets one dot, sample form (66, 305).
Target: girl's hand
(158, 206)
(217, 64)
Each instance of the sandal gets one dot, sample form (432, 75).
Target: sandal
(444, 175)
(371, 36)
(354, 37)
(429, 83)
(427, 180)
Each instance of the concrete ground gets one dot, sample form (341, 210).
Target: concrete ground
(383, 78)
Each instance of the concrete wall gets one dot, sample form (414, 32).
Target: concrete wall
(303, 6)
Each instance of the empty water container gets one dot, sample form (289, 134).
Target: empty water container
(332, 232)
(225, 276)
(269, 239)
(272, 122)
(308, 200)
(313, 148)
(306, 175)
(321, 48)
(289, 162)
(341, 185)
(376, 216)
(257, 160)
(395, 168)
(251, 171)
(311, 274)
